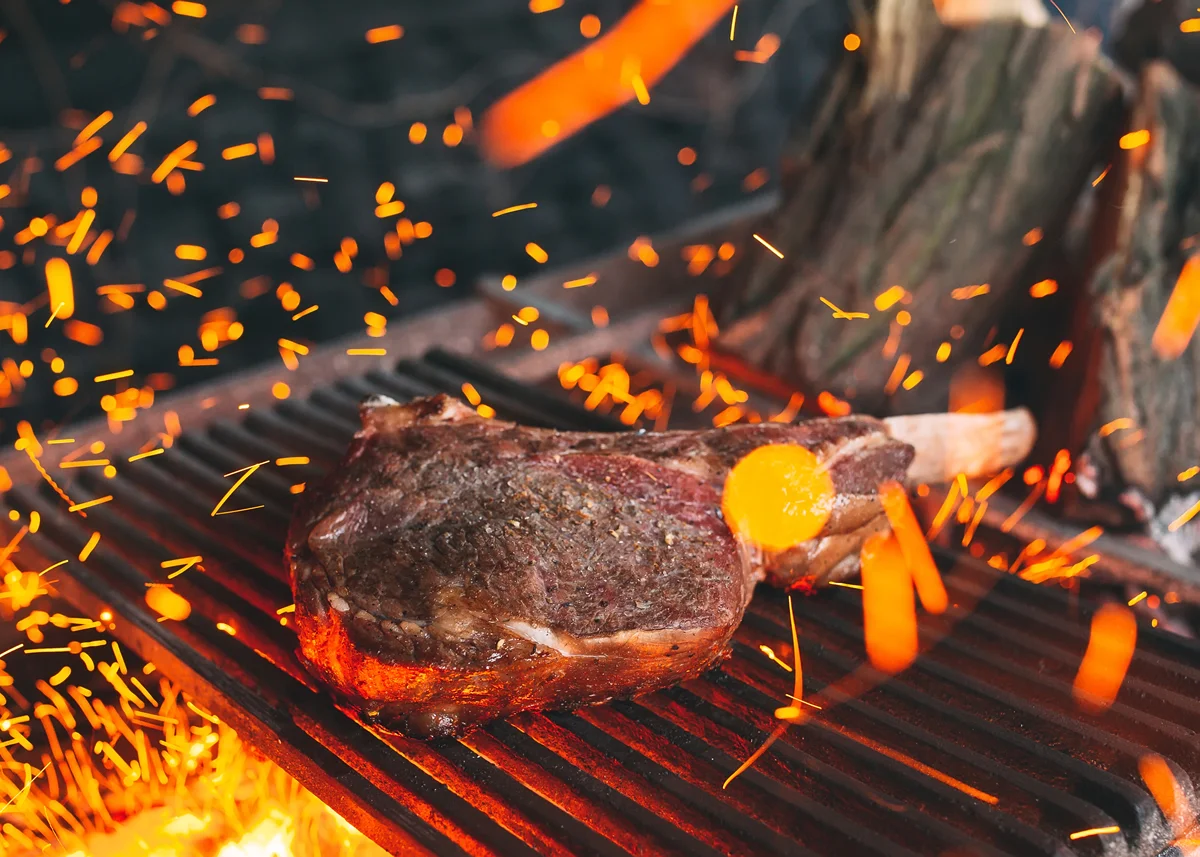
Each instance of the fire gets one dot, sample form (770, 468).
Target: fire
(105, 757)
(778, 496)
(1109, 652)
(889, 609)
(1181, 315)
(925, 574)
(610, 72)
(1168, 794)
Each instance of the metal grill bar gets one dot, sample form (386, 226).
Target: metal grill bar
(987, 707)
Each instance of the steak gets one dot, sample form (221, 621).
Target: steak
(454, 569)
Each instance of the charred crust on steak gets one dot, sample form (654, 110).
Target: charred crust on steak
(453, 569)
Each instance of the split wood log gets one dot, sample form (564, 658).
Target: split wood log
(1147, 367)
(927, 168)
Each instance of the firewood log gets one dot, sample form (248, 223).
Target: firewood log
(1146, 428)
(940, 157)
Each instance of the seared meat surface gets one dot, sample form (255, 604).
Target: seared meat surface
(454, 569)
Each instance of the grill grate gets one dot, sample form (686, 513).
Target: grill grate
(977, 749)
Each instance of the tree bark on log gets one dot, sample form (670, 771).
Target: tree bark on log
(1158, 232)
(926, 169)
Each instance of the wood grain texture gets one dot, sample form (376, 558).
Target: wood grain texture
(936, 155)
(1158, 230)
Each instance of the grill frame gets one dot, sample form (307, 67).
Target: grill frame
(577, 783)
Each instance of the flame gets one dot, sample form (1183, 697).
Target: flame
(889, 609)
(1110, 649)
(1167, 793)
(924, 571)
(1181, 315)
(608, 73)
(777, 496)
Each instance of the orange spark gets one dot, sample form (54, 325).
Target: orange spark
(77, 154)
(837, 313)
(1100, 177)
(1012, 349)
(125, 142)
(390, 33)
(1062, 463)
(1135, 139)
(967, 292)
(888, 298)
(919, 560)
(889, 609)
(1095, 831)
(241, 150)
(513, 208)
(366, 352)
(189, 9)
(1166, 790)
(88, 504)
(1184, 518)
(589, 280)
(767, 244)
(1043, 289)
(1181, 315)
(537, 253)
(1110, 649)
(92, 127)
(167, 603)
(770, 653)
(246, 472)
(1115, 425)
(1061, 353)
(172, 160)
(593, 82)
(60, 287)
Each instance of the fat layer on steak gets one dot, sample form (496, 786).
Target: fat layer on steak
(454, 569)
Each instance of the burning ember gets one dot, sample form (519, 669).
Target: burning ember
(103, 756)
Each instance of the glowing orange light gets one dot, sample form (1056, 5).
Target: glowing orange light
(384, 34)
(888, 298)
(777, 496)
(592, 82)
(1110, 649)
(191, 252)
(189, 9)
(1181, 315)
(1033, 236)
(1165, 788)
(925, 574)
(1191, 25)
(1135, 139)
(1061, 353)
(852, 42)
(889, 608)
(165, 602)
(589, 26)
(1043, 289)
(60, 287)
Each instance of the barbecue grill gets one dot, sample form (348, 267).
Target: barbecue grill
(977, 749)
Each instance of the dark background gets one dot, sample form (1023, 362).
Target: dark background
(62, 64)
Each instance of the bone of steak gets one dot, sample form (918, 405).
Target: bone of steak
(454, 569)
